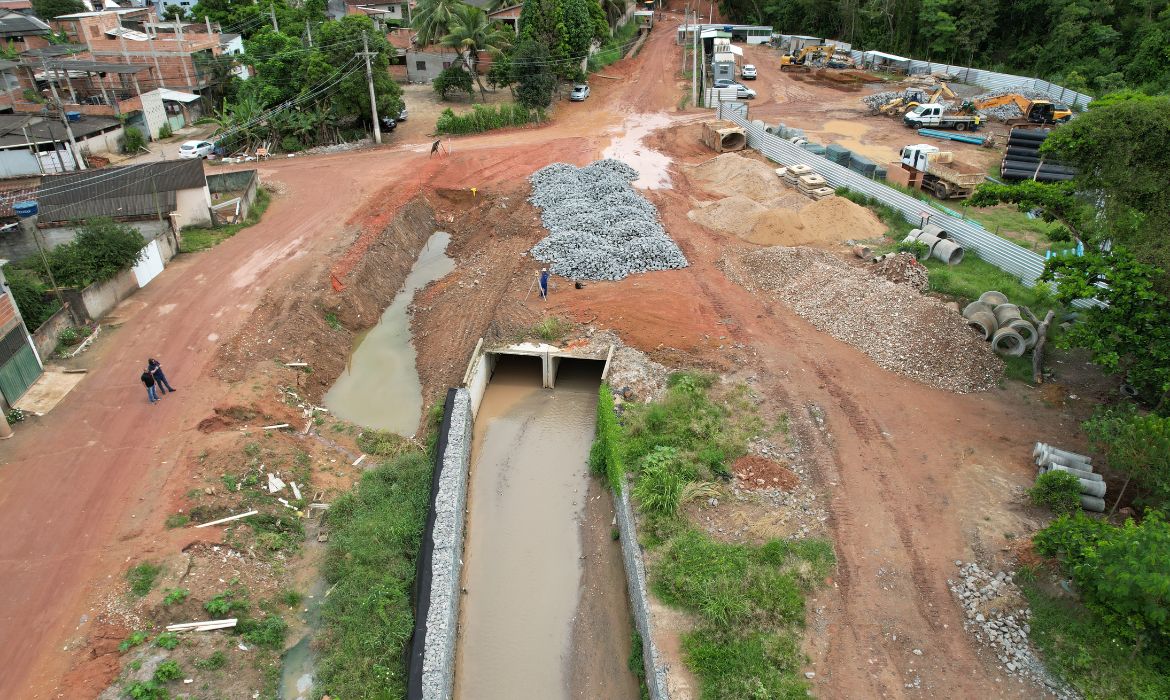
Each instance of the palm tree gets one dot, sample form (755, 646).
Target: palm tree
(432, 18)
(470, 32)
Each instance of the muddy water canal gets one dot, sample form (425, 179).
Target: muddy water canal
(545, 612)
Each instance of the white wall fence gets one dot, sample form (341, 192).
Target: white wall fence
(993, 81)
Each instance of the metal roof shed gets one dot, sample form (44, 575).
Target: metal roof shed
(131, 191)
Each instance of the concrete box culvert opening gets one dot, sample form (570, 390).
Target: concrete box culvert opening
(543, 609)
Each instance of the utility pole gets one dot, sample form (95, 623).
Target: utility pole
(695, 62)
(687, 25)
(272, 12)
(309, 29)
(64, 119)
(370, 79)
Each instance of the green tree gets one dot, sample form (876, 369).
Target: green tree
(175, 13)
(454, 77)
(470, 32)
(938, 28)
(352, 97)
(48, 9)
(544, 22)
(1138, 446)
(1120, 571)
(432, 20)
(534, 81)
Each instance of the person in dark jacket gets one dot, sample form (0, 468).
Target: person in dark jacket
(161, 379)
(148, 379)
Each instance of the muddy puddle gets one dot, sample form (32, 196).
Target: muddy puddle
(380, 387)
(629, 145)
(298, 664)
(521, 628)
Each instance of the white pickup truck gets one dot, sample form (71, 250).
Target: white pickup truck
(935, 115)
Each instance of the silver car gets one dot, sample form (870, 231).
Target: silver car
(579, 93)
(196, 149)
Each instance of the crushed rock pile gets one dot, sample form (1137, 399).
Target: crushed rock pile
(996, 613)
(599, 227)
(1010, 110)
(903, 268)
(824, 222)
(898, 328)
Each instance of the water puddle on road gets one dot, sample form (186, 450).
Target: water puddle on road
(380, 387)
(523, 551)
(628, 146)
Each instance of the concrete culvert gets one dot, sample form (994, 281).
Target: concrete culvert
(993, 298)
(1078, 473)
(732, 141)
(977, 306)
(1092, 503)
(948, 252)
(985, 323)
(936, 231)
(1006, 313)
(1047, 460)
(1041, 448)
(1026, 330)
(930, 242)
(1007, 342)
(1092, 488)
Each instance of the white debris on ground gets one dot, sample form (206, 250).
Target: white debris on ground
(898, 328)
(996, 613)
(599, 227)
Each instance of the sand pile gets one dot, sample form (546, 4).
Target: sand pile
(825, 222)
(732, 174)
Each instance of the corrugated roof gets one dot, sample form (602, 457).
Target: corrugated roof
(16, 24)
(176, 96)
(41, 130)
(11, 196)
(118, 192)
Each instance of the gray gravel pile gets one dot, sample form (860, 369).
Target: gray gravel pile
(1008, 111)
(599, 227)
(996, 613)
(896, 326)
(880, 99)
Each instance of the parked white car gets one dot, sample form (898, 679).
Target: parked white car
(579, 93)
(196, 149)
(743, 92)
(748, 72)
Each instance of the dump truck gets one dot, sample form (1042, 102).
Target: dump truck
(1034, 111)
(939, 173)
(937, 117)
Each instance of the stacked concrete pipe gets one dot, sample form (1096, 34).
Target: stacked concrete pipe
(999, 321)
(1092, 485)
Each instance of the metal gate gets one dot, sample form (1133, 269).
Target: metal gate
(19, 366)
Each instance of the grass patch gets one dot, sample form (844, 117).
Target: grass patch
(1077, 646)
(384, 443)
(637, 665)
(615, 47)
(1013, 224)
(376, 531)
(552, 328)
(972, 277)
(1018, 368)
(214, 662)
(487, 117)
(751, 604)
(141, 578)
(605, 457)
(197, 239)
(177, 520)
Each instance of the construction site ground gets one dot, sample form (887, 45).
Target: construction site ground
(912, 478)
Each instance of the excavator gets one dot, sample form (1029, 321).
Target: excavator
(1034, 111)
(808, 56)
(914, 97)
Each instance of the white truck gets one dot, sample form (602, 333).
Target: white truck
(935, 115)
(939, 173)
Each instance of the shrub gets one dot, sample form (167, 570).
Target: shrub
(165, 131)
(224, 603)
(552, 328)
(68, 336)
(31, 296)
(167, 640)
(174, 596)
(660, 482)
(135, 638)
(133, 141)
(147, 690)
(485, 118)
(453, 78)
(1137, 445)
(168, 671)
(142, 578)
(1058, 491)
(605, 454)
(917, 248)
(216, 661)
(382, 443)
(267, 632)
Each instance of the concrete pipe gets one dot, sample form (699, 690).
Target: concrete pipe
(1042, 447)
(977, 306)
(948, 252)
(930, 242)
(883, 256)
(1006, 313)
(993, 298)
(1046, 459)
(1092, 488)
(1026, 330)
(936, 231)
(1092, 503)
(984, 323)
(1007, 342)
(1087, 476)
(863, 251)
(732, 141)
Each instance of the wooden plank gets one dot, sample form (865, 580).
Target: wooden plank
(229, 519)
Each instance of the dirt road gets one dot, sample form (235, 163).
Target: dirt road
(84, 491)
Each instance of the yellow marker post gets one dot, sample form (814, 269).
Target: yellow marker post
(473, 191)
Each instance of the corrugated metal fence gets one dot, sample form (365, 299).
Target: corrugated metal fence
(993, 81)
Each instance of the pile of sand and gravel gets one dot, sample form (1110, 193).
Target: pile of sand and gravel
(732, 174)
(898, 328)
(825, 222)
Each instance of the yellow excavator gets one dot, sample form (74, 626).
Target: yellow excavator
(1034, 111)
(914, 97)
(808, 56)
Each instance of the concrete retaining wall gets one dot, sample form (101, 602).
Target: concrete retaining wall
(16, 245)
(639, 596)
(45, 337)
(445, 537)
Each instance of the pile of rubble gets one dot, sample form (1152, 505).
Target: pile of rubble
(600, 228)
(902, 268)
(997, 615)
(1008, 111)
(896, 326)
